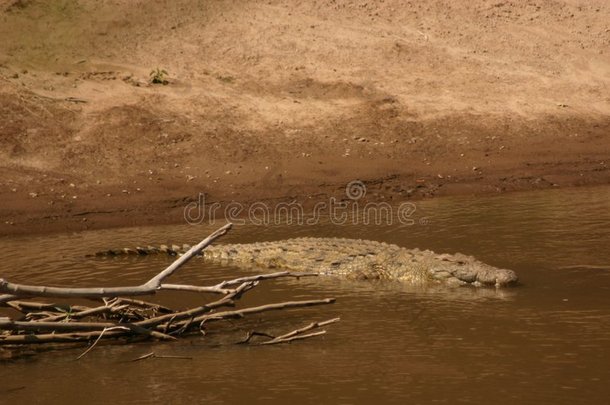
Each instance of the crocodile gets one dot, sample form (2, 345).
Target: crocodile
(350, 258)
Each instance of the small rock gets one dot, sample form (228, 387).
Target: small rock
(33, 195)
(72, 185)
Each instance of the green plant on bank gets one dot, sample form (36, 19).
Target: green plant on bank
(157, 76)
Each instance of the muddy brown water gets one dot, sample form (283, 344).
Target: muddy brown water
(546, 341)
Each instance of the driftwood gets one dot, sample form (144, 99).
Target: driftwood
(117, 316)
(150, 287)
(297, 334)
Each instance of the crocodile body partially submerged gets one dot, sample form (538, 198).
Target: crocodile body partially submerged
(356, 259)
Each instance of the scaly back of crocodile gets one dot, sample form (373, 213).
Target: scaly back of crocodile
(357, 259)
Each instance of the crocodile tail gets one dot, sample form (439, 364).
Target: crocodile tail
(173, 250)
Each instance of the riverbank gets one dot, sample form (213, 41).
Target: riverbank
(281, 102)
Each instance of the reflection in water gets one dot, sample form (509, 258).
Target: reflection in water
(546, 341)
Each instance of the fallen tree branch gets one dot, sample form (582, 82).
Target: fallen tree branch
(28, 306)
(240, 313)
(155, 282)
(7, 298)
(148, 288)
(101, 328)
(144, 304)
(55, 337)
(84, 313)
(8, 324)
(220, 288)
(227, 300)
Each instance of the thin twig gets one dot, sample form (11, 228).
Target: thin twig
(153, 355)
(297, 337)
(98, 339)
(240, 313)
(145, 304)
(253, 333)
(80, 314)
(144, 357)
(298, 333)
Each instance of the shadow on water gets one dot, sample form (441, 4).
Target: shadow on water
(545, 341)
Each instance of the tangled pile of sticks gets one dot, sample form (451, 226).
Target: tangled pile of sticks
(117, 315)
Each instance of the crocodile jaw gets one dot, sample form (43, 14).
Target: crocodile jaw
(496, 277)
(483, 275)
(459, 269)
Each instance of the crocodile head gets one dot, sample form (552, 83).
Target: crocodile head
(461, 269)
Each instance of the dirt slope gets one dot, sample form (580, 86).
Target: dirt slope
(283, 99)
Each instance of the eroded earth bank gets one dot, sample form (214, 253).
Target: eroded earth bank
(282, 100)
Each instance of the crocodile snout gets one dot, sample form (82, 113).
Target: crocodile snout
(497, 277)
(506, 277)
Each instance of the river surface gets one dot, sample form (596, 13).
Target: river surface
(546, 341)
